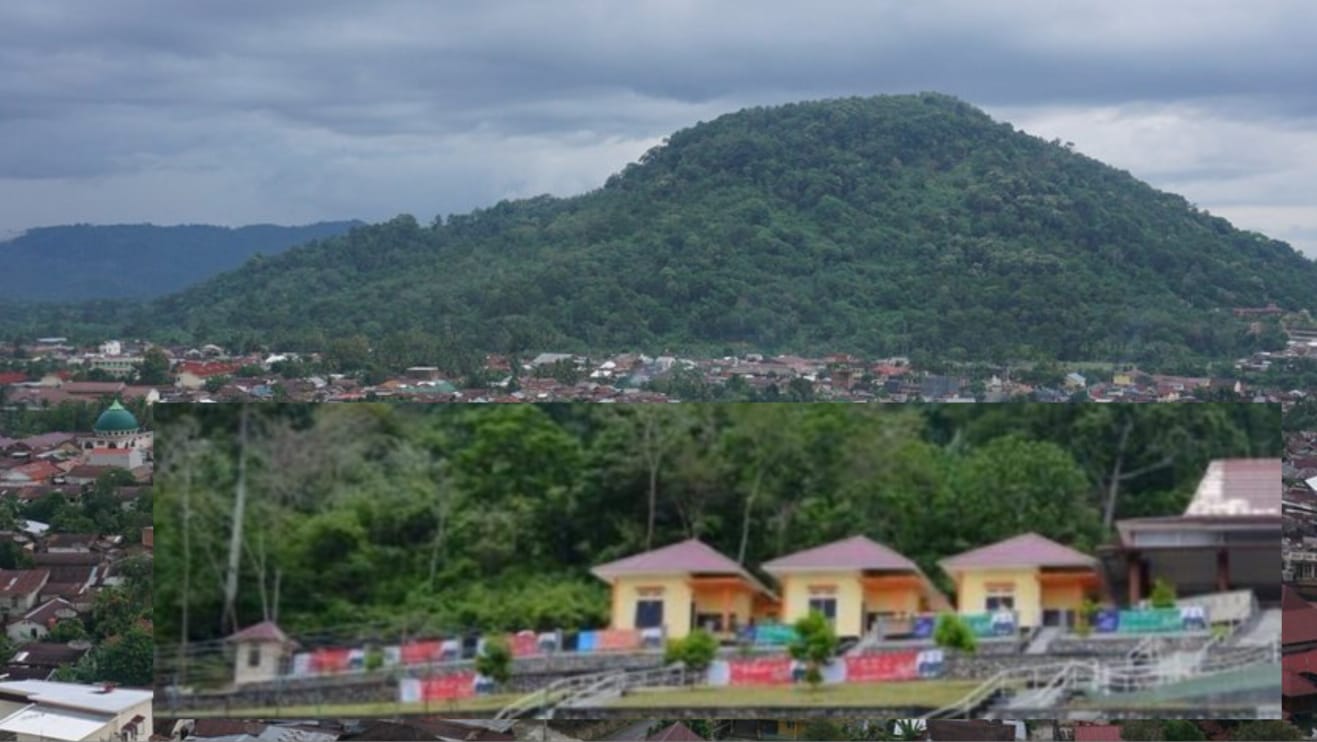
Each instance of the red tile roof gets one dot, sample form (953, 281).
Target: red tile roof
(266, 631)
(1298, 618)
(22, 581)
(1097, 733)
(857, 552)
(12, 377)
(1027, 550)
(37, 471)
(203, 369)
(47, 614)
(690, 556)
(1298, 670)
(1239, 487)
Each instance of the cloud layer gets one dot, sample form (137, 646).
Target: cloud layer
(248, 111)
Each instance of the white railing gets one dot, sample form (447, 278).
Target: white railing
(1032, 676)
(1130, 676)
(581, 690)
(550, 694)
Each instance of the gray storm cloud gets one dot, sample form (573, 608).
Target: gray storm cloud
(246, 111)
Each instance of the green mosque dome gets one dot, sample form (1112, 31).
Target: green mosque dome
(116, 419)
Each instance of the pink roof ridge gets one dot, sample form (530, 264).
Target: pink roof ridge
(265, 631)
(856, 552)
(691, 555)
(1026, 550)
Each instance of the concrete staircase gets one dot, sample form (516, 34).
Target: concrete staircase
(1042, 641)
(1262, 631)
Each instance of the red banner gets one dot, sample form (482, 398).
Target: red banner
(523, 644)
(617, 639)
(885, 666)
(419, 653)
(449, 687)
(329, 660)
(776, 671)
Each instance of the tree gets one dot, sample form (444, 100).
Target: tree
(1266, 729)
(696, 650)
(815, 644)
(67, 630)
(656, 435)
(952, 632)
(1183, 730)
(1143, 730)
(495, 661)
(126, 659)
(1162, 595)
(154, 368)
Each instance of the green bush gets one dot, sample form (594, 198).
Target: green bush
(815, 644)
(953, 633)
(495, 662)
(696, 650)
(1163, 594)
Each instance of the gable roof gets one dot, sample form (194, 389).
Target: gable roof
(263, 632)
(22, 581)
(1025, 550)
(856, 552)
(47, 613)
(691, 555)
(1234, 487)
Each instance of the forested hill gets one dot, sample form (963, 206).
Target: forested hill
(457, 517)
(84, 261)
(879, 225)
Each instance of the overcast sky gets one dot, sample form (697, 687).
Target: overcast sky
(252, 111)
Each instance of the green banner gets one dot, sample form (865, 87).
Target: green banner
(774, 634)
(1150, 622)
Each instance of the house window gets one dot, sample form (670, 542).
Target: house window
(826, 606)
(254, 657)
(711, 622)
(1000, 597)
(649, 614)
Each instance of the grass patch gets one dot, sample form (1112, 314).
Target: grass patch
(915, 693)
(479, 703)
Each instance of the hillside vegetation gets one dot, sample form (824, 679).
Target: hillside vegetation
(880, 225)
(136, 261)
(380, 518)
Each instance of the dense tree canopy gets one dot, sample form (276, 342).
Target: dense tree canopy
(455, 518)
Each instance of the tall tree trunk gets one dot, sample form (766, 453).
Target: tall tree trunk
(230, 618)
(1113, 480)
(278, 577)
(745, 517)
(187, 570)
(653, 501)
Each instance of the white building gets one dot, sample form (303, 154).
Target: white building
(37, 710)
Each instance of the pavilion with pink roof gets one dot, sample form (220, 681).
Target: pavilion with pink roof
(854, 582)
(1042, 582)
(682, 586)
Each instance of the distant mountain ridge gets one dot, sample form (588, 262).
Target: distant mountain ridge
(900, 224)
(137, 261)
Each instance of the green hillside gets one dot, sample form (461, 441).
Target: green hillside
(891, 224)
(134, 261)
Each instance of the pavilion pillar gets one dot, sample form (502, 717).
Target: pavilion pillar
(1135, 576)
(1222, 570)
(727, 609)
